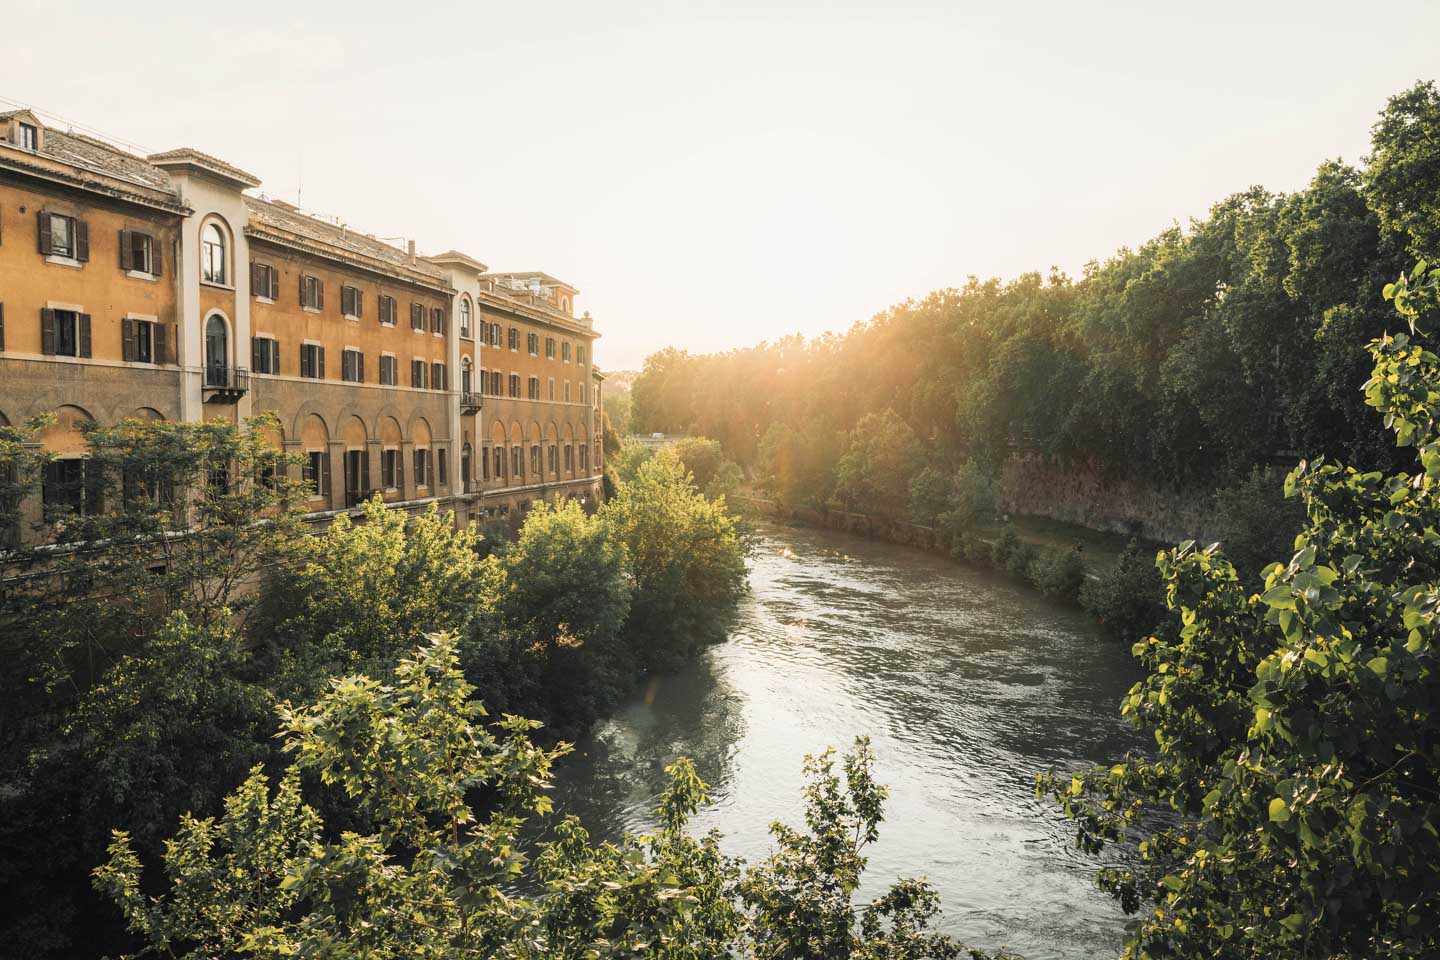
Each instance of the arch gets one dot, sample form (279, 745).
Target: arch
(417, 417)
(64, 435)
(354, 433)
(216, 250)
(389, 432)
(465, 319)
(313, 433)
(497, 433)
(420, 432)
(147, 413)
(534, 434)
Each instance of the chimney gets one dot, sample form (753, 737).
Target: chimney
(410, 249)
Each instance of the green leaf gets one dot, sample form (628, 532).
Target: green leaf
(1279, 810)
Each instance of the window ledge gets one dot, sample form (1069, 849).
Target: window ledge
(355, 317)
(60, 261)
(387, 323)
(217, 285)
(311, 309)
(141, 275)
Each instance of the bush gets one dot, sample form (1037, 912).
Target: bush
(1059, 573)
(1256, 522)
(1129, 598)
(1004, 546)
(929, 496)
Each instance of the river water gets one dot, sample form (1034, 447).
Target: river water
(966, 683)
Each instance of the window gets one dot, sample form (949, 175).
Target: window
(466, 384)
(517, 462)
(565, 304)
(59, 236)
(565, 351)
(554, 459)
(465, 318)
(357, 476)
(417, 316)
(389, 371)
(532, 344)
(497, 383)
(212, 254)
(515, 385)
(580, 354)
(265, 355)
(64, 333)
(351, 302)
(387, 310)
(264, 281)
(550, 388)
(532, 388)
(312, 361)
(514, 338)
(569, 458)
(67, 487)
(421, 474)
(390, 477)
(312, 292)
(29, 137)
(549, 348)
(442, 467)
(499, 463)
(417, 374)
(317, 466)
(495, 329)
(217, 352)
(139, 253)
(437, 321)
(583, 391)
(465, 465)
(584, 457)
(535, 459)
(439, 376)
(352, 366)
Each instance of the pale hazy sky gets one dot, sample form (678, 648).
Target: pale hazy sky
(712, 175)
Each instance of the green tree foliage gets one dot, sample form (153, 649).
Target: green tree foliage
(436, 876)
(881, 456)
(687, 562)
(617, 408)
(1403, 170)
(628, 458)
(715, 474)
(1293, 807)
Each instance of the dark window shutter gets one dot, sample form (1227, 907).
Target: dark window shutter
(83, 321)
(2, 326)
(302, 291)
(162, 352)
(82, 243)
(124, 249)
(359, 302)
(43, 219)
(274, 356)
(365, 470)
(359, 368)
(47, 331)
(257, 280)
(257, 346)
(274, 276)
(399, 470)
(319, 294)
(320, 362)
(157, 257)
(127, 338)
(325, 474)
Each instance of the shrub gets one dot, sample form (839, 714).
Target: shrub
(1004, 546)
(1059, 573)
(1256, 522)
(1128, 599)
(1021, 560)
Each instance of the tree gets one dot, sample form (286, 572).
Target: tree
(1292, 809)
(715, 475)
(687, 562)
(1403, 170)
(874, 473)
(436, 877)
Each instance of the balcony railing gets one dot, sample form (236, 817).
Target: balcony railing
(470, 403)
(225, 384)
(354, 498)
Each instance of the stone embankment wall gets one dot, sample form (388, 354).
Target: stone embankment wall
(1032, 485)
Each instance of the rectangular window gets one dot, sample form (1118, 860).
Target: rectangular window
(417, 316)
(515, 385)
(312, 361)
(64, 333)
(351, 301)
(314, 473)
(584, 457)
(352, 366)
(514, 338)
(62, 236)
(437, 321)
(495, 329)
(499, 456)
(389, 371)
(532, 344)
(312, 292)
(549, 348)
(550, 389)
(439, 378)
(29, 137)
(535, 459)
(583, 392)
(138, 341)
(138, 253)
(565, 351)
(580, 355)
(264, 281)
(387, 310)
(442, 466)
(265, 355)
(533, 388)
(66, 488)
(554, 459)
(517, 462)
(390, 469)
(421, 478)
(417, 374)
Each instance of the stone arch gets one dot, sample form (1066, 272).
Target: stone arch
(227, 237)
(147, 413)
(354, 434)
(388, 430)
(64, 436)
(420, 431)
(313, 433)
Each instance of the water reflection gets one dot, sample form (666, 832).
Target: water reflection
(967, 684)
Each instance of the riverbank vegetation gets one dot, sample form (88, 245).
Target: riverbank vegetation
(183, 600)
(1206, 354)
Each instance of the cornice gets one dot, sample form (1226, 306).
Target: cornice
(377, 267)
(102, 187)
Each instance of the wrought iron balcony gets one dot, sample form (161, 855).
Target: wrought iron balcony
(225, 384)
(470, 403)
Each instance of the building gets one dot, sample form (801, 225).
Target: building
(163, 287)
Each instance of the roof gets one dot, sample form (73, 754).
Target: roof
(189, 157)
(543, 277)
(282, 221)
(456, 257)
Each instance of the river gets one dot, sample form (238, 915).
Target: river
(967, 684)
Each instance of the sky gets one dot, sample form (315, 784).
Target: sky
(715, 175)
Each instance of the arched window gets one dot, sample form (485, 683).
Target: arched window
(217, 352)
(212, 254)
(464, 318)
